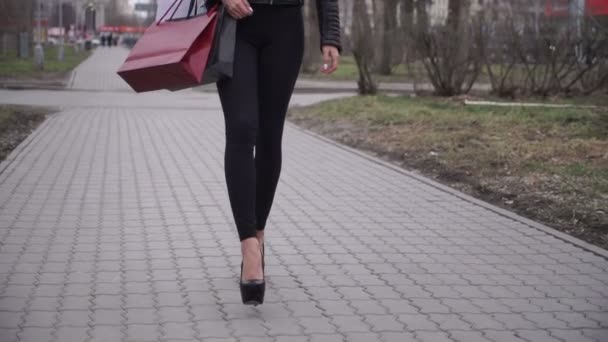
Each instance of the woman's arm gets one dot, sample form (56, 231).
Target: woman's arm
(329, 23)
(328, 14)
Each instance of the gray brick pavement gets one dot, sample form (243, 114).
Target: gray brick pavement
(115, 226)
(99, 71)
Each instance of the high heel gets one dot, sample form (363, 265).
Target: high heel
(263, 271)
(252, 290)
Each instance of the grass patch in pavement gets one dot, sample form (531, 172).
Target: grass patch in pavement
(12, 67)
(549, 164)
(16, 123)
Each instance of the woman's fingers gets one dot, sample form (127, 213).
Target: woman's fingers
(327, 62)
(331, 58)
(335, 59)
(238, 9)
(245, 8)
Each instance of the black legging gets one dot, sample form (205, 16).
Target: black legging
(268, 56)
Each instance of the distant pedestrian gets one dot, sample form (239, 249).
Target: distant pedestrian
(102, 39)
(110, 39)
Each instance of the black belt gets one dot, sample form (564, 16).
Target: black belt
(277, 2)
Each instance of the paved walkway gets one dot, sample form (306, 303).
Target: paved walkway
(115, 226)
(94, 74)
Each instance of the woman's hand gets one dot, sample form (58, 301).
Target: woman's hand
(238, 9)
(331, 59)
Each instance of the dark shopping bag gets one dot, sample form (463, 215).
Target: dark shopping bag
(172, 54)
(221, 59)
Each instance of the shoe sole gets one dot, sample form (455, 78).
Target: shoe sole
(253, 302)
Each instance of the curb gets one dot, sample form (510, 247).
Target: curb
(31, 86)
(34, 85)
(320, 90)
(23, 146)
(502, 212)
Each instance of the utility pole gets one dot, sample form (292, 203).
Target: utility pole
(61, 33)
(38, 51)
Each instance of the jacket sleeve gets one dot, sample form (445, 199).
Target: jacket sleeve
(329, 23)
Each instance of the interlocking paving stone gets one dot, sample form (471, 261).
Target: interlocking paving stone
(35, 334)
(468, 336)
(143, 332)
(8, 335)
(115, 226)
(432, 336)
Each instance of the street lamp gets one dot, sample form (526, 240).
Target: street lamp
(38, 51)
(61, 32)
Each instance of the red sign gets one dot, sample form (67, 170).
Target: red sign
(109, 29)
(561, 8)
(597, 7)
(122, 29)
(132, 29)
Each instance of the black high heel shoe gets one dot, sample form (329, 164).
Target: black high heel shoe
(252, 290)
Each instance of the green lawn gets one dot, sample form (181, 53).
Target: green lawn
(13, 67)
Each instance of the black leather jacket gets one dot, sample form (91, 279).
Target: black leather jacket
(328, 14)
(329, 23)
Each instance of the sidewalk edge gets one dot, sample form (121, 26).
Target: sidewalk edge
(17, 151)
(503, 212)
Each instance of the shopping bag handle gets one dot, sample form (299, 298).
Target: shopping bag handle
(178, 2)
(193, 4)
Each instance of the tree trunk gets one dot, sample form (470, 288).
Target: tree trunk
(345, 16)
(457, 24)
(312, 38)
(377, 27)
(422, 17)
(407, 24)
(387, 39)
(363, 48)
(406, 38)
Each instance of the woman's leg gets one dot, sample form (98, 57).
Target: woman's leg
(279, 64)
(239, 99)
(240, 105)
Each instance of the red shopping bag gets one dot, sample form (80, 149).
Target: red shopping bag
(171, 54)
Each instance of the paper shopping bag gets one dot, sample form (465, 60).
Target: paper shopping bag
(171, 54)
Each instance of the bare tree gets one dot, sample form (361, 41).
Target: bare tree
(406, 19)
(311, 36)
(377, 26)
(346, 23)
(449, 56)
(363, 48)
(547, 59)
(496, 52)
(387, 37)
(422, 17)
